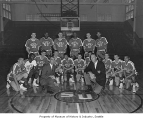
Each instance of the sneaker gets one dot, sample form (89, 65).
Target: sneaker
(23, 88)
(50, 92)
(111, 82)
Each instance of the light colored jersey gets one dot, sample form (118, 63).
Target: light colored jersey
(29, 65)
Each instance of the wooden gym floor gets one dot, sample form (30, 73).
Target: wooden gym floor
(72, 100)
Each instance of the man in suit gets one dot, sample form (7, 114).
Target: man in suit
(48, 77)
(95, 75)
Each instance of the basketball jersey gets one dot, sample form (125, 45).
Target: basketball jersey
(67, 63)
(75, 43)
(108, 64)
(79, 64)
(101, 43)
(89, 45)
(33, 45)
(129, 67)
(57, 61)
(29, 65)
(40, 61)
(87, 60)
(60, 45)
(117, 65)
(46, 43)
(16, 69)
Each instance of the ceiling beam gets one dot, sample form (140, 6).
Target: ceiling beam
(58, 3)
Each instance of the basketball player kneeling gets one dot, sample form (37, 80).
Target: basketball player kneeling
(16, 77)
(68, 66)
(130, 74)
(79, 68)
(116, 71)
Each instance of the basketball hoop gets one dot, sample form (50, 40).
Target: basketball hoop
(70, 25)
(70, 28)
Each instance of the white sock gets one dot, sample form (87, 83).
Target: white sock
(134, 87)
(111, 82)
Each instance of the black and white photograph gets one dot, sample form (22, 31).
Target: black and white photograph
(79, 59)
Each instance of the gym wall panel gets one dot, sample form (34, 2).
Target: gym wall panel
(139, 18)
(117, 12)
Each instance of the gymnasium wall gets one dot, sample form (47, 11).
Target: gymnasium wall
(139, 18)
(1, 20)
(21, 12)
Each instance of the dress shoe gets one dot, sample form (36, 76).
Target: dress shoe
(50, 92)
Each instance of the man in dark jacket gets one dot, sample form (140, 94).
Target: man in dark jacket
(95, 75)
(48, 77)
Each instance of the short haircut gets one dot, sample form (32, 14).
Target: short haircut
(56, 51)
(43, 51)
(66, 54)
(51, 58)
(79, 54)
(93, 54)
(20, 59)
(31, 55)
(127, 56)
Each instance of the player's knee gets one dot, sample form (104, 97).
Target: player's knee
(7, 86)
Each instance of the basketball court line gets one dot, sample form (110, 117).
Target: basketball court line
(77, 104)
